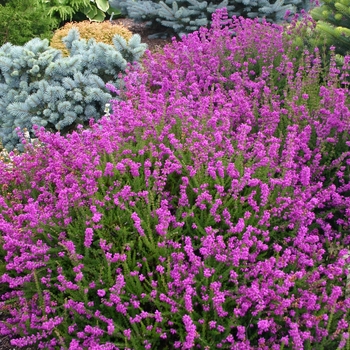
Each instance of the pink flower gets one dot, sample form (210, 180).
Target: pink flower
(127, 333)
(88, 237)
(101, 292)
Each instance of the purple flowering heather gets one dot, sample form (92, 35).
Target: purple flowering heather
(209, 210)
(88, 237)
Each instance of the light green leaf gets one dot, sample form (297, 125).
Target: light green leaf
(90, 12)
(103, 5)
(98, 17)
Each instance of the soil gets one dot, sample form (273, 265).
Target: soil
(154, 45)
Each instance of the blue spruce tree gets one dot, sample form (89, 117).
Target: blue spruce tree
(186, 16)
(40, 87)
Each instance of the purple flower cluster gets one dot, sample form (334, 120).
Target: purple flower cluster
(209, 210)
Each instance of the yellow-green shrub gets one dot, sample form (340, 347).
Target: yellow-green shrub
(100, 31)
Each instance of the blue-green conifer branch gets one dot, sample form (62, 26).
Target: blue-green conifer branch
(38, 86)
(186, 16)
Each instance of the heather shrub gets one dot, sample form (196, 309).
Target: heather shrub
(201, 213)
(103, 32)
(302, 31)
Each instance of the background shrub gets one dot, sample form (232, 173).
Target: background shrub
(22, 21)
(103, 32)
(333, 21)
(40, 87)
(187, 16)
(77, 10)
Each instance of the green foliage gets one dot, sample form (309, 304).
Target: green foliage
(333, 21)
(22, 21)
(68, 10)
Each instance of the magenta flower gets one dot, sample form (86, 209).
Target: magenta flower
(191, 332)
(88, 237)
(101, 292)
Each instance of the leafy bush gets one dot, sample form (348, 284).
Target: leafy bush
(40, 87)
(22, 21)
(333, 22)
(187, 16)
(210, 209)
(102, 32)
(63, 10)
